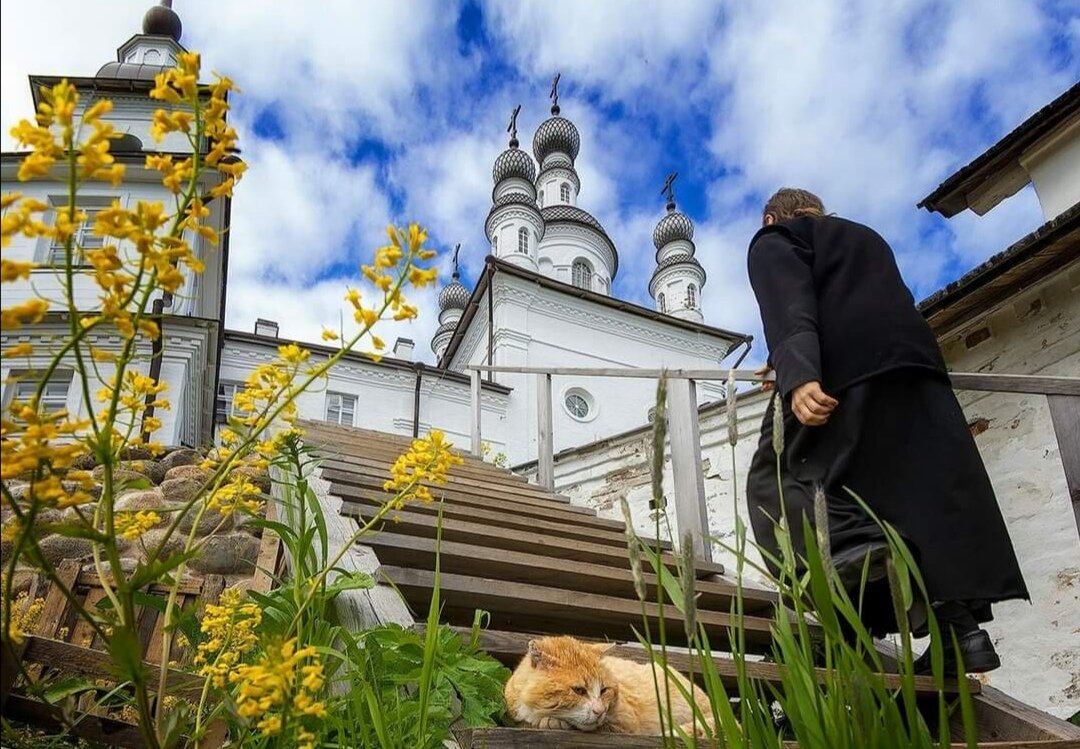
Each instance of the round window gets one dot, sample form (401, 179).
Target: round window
(579, 404)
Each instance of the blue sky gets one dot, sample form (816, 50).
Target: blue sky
(356, 114)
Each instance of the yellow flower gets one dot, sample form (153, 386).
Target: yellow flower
(283, 681)
(132, 525)
(8, 199)
(26, 313)
(378, 343)
(240, 494)
(329, 335)
(352, 296)
(19, 349)
(428, 460)
(229, 627)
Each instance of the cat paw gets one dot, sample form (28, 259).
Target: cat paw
(554, 724)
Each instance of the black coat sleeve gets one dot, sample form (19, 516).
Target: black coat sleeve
(781, 276)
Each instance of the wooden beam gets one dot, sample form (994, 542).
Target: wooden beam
(545, 438)
(684, 433)
(1005, 383)
(1065, 414)
(475, 407)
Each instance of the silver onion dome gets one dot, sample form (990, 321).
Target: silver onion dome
(453, 296)
(513, 162)
(161, 20)
(673, 226)
(556, 134)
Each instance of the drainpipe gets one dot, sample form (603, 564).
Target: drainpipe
(157, 349)
(416, 399)
(491, 323)
(749, 345)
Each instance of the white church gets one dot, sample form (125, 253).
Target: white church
(544, 298)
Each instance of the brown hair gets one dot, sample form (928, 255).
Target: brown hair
(791, 202)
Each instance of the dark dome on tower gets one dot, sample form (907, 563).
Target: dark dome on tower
(513, 162)
(453, 296)
(556, 134)
(161, 20)
(675, 225)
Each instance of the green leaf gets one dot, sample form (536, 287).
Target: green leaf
(349, 580)
(157, 569)
(60, 689)
(71, 529)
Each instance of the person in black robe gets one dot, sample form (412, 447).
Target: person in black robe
(868, 407)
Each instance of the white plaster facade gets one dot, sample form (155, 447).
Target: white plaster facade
(1054, 166)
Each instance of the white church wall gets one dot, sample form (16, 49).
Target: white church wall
(384, 395)
(540, 327)
(1054, 167)
(1037, 332)
(133, 114)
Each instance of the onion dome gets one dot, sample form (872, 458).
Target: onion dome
(453, 296)
(556, 134)
(161, 20)
(673, 226)
(513, 162)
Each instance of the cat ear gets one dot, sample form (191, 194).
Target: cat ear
(601, 647)
(536, 655)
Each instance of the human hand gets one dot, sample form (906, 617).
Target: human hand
(766, 385)
(811, 405)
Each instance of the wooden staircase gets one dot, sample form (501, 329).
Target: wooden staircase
(540, 565)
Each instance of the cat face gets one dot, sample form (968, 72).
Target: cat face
(564, 680)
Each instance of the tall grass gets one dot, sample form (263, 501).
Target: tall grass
(830, 692)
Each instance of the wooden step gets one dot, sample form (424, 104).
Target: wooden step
(510, 647)
(481, 561)
(496, 518)
(536, 507)
(352, 438)
(523, 607)
(525, 738)
(385, 456)
(454, 480)
(555, 547)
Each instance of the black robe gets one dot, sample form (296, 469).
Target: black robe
(836, 311)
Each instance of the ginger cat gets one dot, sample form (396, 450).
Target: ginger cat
(565, 683)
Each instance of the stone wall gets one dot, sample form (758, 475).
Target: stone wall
(165, 484)
(1035, 332)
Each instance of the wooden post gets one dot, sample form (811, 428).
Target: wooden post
(475, 407)
(684, 432)
(1065, 414)
(545, 439)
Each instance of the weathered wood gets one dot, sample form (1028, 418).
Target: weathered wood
(98, 729)
(510, 647)
(11, 655)
(1065, 414)
(54, 610)
(498, 518)
(90, 662)
(266, 564)
(479, 561)
(1006, 383)
(545, 436)
(1000, 717)
(189, 586)
(356, 610)
(369, 453)
(684, 434)
(475, 409)
(525, 738)
(525, 607)
(480, 534)
(472, 496)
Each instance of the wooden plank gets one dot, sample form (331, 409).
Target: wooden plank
(479, 561)
(89, 662)
(366, 459)
(334, 437)
(189, 586)
(97, 729)
(526, 738)
(1065, 414)
(684, 434)
(498, 518)
(1007, 383)
(478, 534)
(54, 611)
(511, 490)
(266, 564)
(525, 607)
(510, 648)
(475, 412)
(212, 587)
(481, 498)
(545, 436)
(1004, 383)
(1004, 718)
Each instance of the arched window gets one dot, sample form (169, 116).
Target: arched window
(523, 240)
(691, 296)
(151, 57)
(582, 274)
(661, 302)
(495, 244)
(564, 192)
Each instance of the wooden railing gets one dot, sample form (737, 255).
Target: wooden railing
(684, 433)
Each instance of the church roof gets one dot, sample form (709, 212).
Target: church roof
(673, 226)
(493, 265)
(952, 196)
(513, 162)
(569, 214)
(1046, 250)
(556, 134)
(130, 71)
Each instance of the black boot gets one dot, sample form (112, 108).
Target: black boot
(976, 649)
(849, 564)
